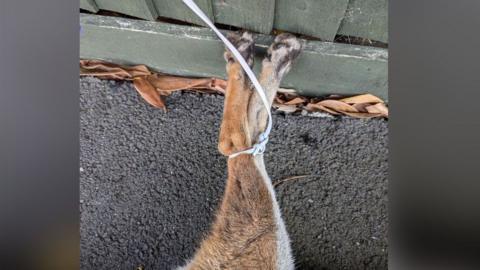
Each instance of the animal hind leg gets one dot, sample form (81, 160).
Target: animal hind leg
(234, 135)
(245, 45)
(277, 63)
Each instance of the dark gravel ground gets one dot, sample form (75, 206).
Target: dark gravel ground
(151, 181)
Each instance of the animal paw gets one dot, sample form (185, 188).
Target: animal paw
(244, 43)
(283, 51)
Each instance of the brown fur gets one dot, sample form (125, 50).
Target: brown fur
(243, 235)
(234, 131)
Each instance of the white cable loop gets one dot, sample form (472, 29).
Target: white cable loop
(260, 146)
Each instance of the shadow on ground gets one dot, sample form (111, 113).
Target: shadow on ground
(151, 181)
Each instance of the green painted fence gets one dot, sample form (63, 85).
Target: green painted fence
(366, 19)
(322, 68)
(322, 19)
(179, 11)
(144, 9)
(319, 18)
(89, 5)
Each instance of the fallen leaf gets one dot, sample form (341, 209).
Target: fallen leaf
(378, 108)
(361, 107)
(286, 108)
(365, 98)
(337, 105)
(312, 107)
(278, 182)
(153, 87)
(149, 92)
(295, 101)
(362, 114)
(105, 70)
(166, 84)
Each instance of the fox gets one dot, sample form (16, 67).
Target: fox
(248, 231)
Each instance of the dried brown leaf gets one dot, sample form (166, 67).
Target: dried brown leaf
(167, 84)
(362, 115)
(295, 101)
(292, 178)
(153, 87)
(361, 107)
(365, 98)
(336, 105)
(378, 108)
(148, 92)
(107, 70)
(313, 107)
(286, 108)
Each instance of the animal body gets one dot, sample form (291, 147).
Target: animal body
(248, 231)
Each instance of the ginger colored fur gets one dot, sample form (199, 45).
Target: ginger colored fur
(248, 232)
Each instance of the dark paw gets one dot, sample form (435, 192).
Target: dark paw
(244, 43)
(283, 51)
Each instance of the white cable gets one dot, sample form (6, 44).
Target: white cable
(259, 147)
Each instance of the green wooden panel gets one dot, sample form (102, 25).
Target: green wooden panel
(317, 18)
(176, 9)
(253, 15)
(89, 5)
(366, 19)
(322, 68)
(144, 9)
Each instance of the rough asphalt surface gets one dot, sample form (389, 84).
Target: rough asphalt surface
(151, 181)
